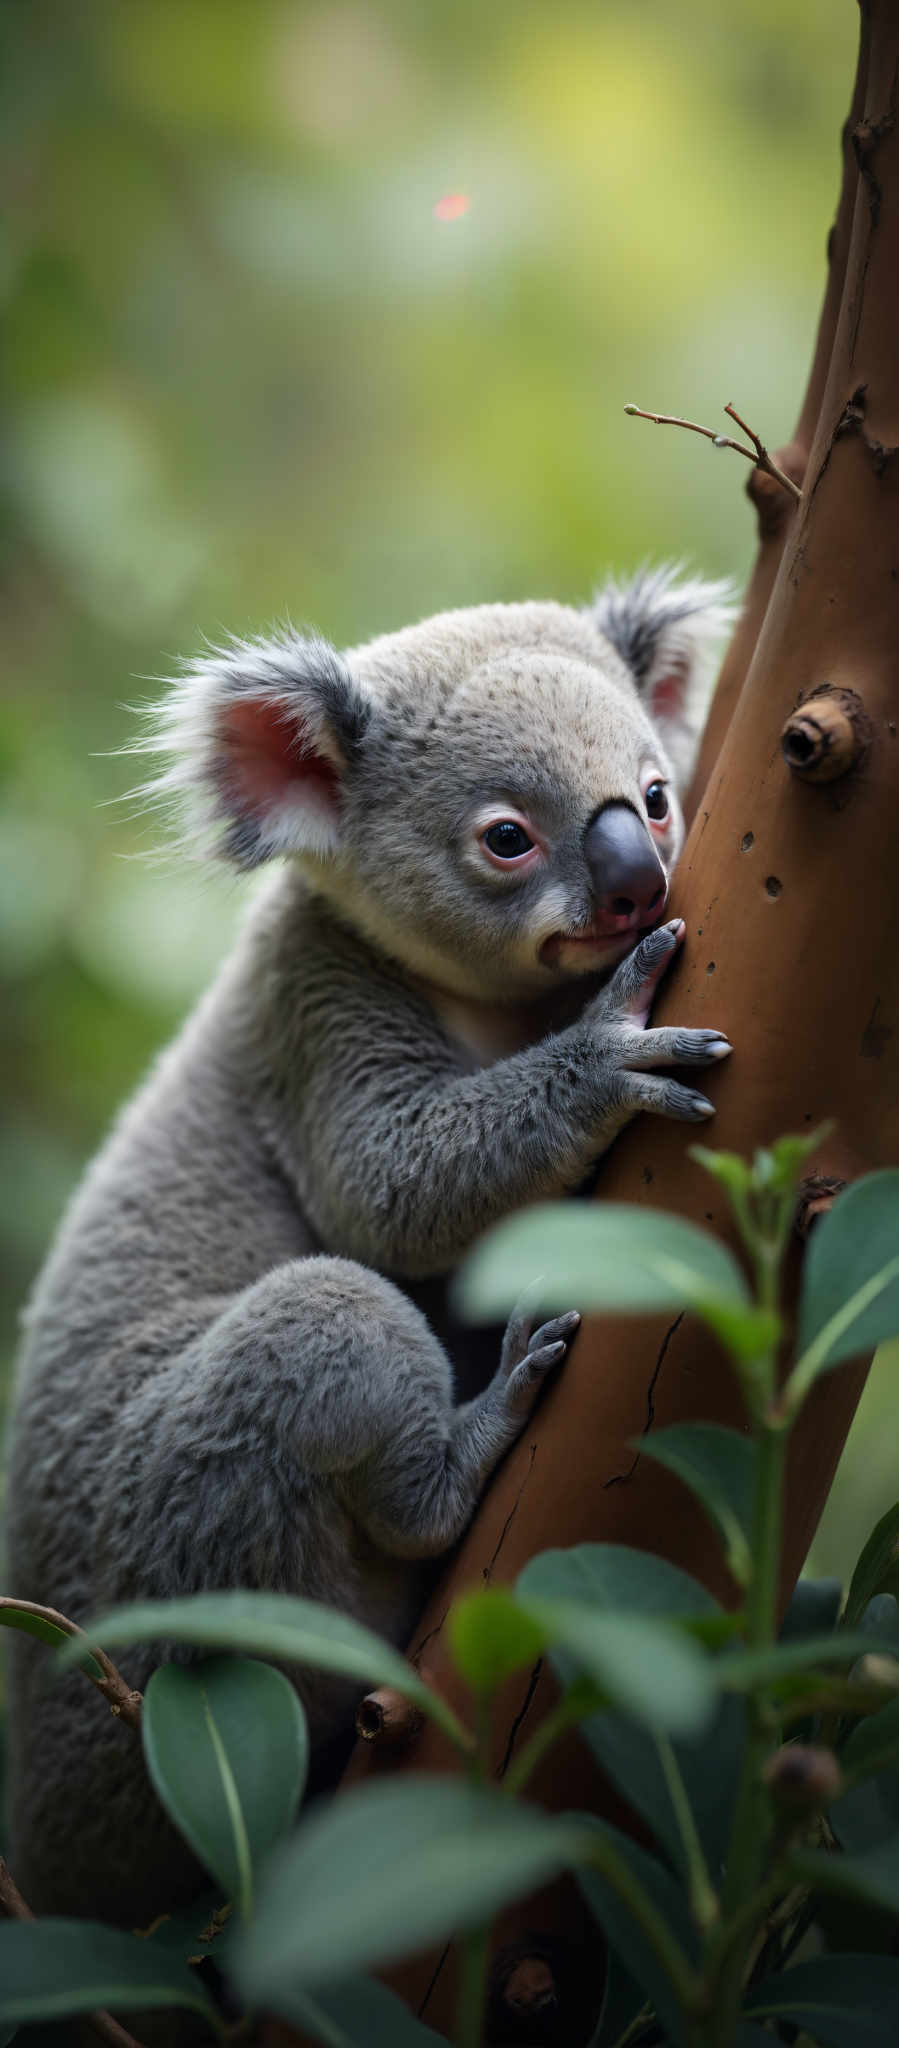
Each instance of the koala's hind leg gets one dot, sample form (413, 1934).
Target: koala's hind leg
(306, 1442)
(318, 1403)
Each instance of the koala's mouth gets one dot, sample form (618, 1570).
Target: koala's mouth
(608, 932)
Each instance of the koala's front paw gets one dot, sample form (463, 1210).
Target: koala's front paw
(528, 1355)
(619, 1014)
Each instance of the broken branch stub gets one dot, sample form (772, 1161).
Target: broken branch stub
(827, 736)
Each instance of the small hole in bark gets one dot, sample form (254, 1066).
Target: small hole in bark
(773, 885)
(711, 967)
(799, 748)
(747, 841)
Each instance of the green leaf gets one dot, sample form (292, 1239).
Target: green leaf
(614, 1576)
(734, 1172)
(844, 2001)
(867, 1816)
(622, 2000)
(609, 1255)
(748, 1333)
(718, 1465)
(850, 1282)
(647, 1668)
(388, 1868)
(758, 1670)
(48, 1632)
(276, 1625)
(623, 1932)
(491, 1635)
(227, 1749)
(874, 1742)
(870, 1878)
(779, 1166)
(814, 1608)
(356, 2013)
(617, 1630)
(877, 1570)
(709, 1766)
(50, 1969)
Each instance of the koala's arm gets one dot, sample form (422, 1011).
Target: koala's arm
(401, 1157)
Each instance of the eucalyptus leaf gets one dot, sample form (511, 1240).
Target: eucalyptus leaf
(276, 1625)
(718, 1465)
(757, 1670)
(357, 2012)
(625, 1935)
(51, 1969)
(844, 2001)
(814, 1608)
(877, 1570)
(385, 1870)
(645, 1667)
(871, 1877)
(612, 1256)
(874, 1742)
(491, 1635)
(709, 1766)
(227, 1749)
(48, 1632)
(850, 1282)
(614, 1576)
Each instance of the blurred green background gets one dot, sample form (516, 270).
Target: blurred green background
(251, 370)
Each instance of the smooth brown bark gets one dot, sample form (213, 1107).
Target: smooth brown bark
(775, 510)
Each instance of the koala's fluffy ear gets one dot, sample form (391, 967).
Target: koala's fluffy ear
(256, 737)
(668, 631)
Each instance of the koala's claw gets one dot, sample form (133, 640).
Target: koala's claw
(542, 1349)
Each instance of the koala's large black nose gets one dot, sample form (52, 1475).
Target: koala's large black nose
(628, 877)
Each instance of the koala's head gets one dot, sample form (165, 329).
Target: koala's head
(490, 796)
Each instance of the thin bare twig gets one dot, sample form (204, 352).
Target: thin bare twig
(121, 1698)
(14, 1907)
(758, 454)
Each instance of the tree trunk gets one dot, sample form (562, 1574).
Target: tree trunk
(788, 889)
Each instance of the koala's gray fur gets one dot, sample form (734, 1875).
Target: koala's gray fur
(220, 1386)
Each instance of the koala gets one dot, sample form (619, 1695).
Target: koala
(435, 1012)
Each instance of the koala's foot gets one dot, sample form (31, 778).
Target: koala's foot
(529, 1355)
(620, 1013)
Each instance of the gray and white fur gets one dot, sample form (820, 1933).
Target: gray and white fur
(226, 1380)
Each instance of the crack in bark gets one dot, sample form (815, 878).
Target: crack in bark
(621, 1478)
(875, 1037)
(487, 1572)
(416, 1655)
(437, 1969)
(523, 1710)
(866, 141)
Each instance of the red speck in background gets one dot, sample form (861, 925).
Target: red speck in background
(452, 206)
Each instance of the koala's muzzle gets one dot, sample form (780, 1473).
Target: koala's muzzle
(629, 881)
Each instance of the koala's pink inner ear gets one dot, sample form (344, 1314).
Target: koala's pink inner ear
(271, 762)
(668, 690)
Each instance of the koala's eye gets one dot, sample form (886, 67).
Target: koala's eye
(656, 801)
(507, 840)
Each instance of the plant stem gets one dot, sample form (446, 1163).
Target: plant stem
(703, 1898)
(745, 1862)
(472, 1990)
